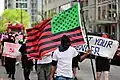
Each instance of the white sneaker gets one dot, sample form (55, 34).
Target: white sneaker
(17, 63)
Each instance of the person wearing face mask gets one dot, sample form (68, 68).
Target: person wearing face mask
(62, 60)
(10, 62)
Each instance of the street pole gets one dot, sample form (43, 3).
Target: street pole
(42, 10)
(82, 15)
(21, 12)
(118, 31)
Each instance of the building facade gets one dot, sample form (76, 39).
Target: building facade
(107, 17)
(31, 6)
(100, 15)
(53, 7)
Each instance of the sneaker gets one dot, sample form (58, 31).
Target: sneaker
(75, 78)
(9, 76)
(17, 63)
(13, 77)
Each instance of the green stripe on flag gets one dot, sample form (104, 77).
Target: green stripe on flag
(66, 20)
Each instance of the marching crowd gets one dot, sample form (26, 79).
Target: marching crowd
(58, 65)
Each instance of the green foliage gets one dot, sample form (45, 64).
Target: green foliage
(14, 16)
(35, 23)
(52, 14)
(3, 29)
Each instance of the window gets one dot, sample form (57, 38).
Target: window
(9, 5)
(5, 7)
(45, 15)
(24, 0)
(17, 5)
(33, 11)
(49, 13)
(112, 14)
(21, 5)
(99, 13)
(109, 6)
(34, 5)
(24, 5)
(86, 15)
(99, 28)
(45, 2)
(85, 3)
(114, 11)
(5, 1)
(49, 1)
(103, 12)
(114, 6)
(109, 14)
(99, 1)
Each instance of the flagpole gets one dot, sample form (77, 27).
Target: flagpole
(81, 11)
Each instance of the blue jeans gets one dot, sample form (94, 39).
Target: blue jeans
(62, 78)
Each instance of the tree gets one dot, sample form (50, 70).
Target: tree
(35, 23)
(2, 29)
(52, 13)
(14, 16)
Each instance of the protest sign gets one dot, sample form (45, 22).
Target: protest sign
(100, 46)
(3, 36)
(11, 50)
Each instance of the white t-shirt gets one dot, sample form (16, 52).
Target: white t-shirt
(45, 59)
(64, 61)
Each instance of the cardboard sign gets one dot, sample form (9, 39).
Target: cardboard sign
(100, 46)
(11, 50)
(3, 36)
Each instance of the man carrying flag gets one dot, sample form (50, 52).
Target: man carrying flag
(62, 60)
(63, 55)
(41, 40)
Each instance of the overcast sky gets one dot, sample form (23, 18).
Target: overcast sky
(1, 7)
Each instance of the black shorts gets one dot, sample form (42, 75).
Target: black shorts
(102, 64)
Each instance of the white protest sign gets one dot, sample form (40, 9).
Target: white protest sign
(100, 46)
(3, 36)
(11, 50)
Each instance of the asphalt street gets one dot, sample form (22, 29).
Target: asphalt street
(85, 72)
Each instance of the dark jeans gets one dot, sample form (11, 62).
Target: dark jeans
(2, 60)
(26, 74)
(10, 65)
(62, 78)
